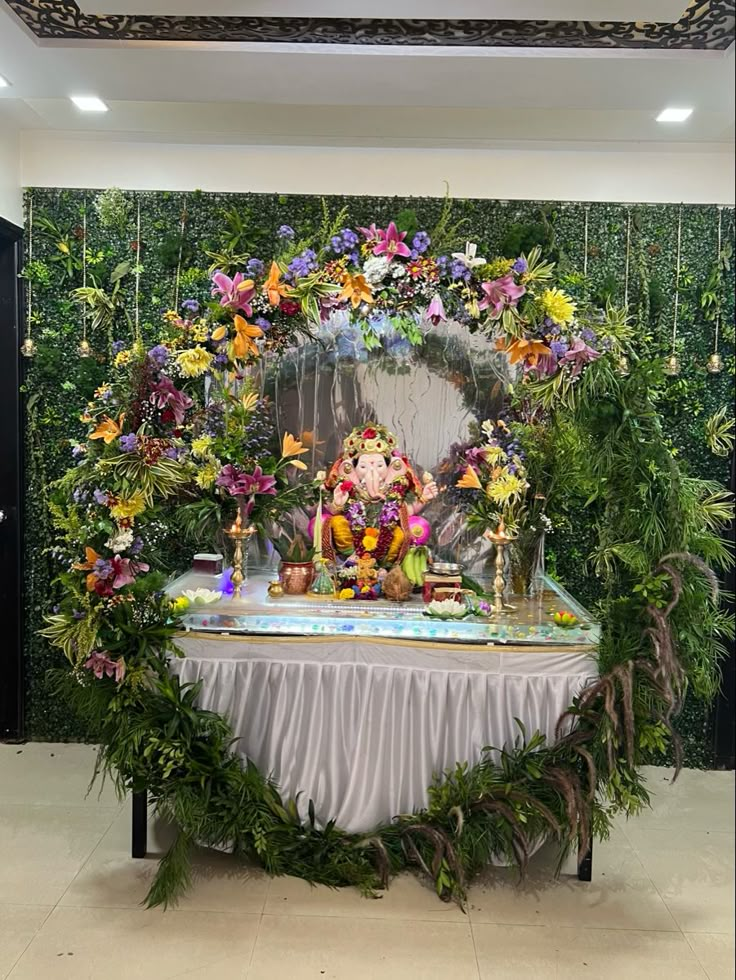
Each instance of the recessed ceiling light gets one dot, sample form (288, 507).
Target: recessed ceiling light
(4, 83)
(89, 103)
(674, 115)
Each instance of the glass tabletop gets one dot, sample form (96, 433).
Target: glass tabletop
(529, 621)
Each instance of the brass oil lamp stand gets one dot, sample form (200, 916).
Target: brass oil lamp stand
(501, 539)
(239, 534)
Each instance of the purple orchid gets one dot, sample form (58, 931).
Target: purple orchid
(500, 294)
(578, 356)
(103, 666)
(436, 310)
(234, 293)
(391, 242)
(242, 484)
(166, 396)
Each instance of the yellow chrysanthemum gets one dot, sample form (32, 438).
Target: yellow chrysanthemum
(200, 333)
(369, 542)
(128, 507)
(346, 593)
(494, 454)
(102, 390)
(194, 361)
(122, 358)
(558, 306)
(201, 446)
(206, 476)
(506, 488)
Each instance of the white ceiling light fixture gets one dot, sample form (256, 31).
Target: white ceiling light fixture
(4, 83)
(674, 114)
(89, 103)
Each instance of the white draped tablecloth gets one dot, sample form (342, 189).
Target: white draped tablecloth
(360, 726)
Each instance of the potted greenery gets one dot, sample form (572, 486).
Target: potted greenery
(296, 570)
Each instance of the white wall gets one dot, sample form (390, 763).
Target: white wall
(567, 173)
(11, 200)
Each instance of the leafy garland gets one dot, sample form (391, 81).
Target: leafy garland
(148, 446)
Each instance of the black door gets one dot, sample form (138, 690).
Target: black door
(11, 673)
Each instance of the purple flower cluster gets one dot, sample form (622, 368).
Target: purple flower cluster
(263, 323)
(129, 442)
(558, 348)
(136, 547)
(344, 242)
(588, 335)
(389, 513)
(520, 266)
(303, 264)
(458, 270)
(101, 497)
(420, 242)
(159, 355)
(254, 267)
(118, 346)
(190, 306)
(286, 231)
(355, 514)
(80, 496)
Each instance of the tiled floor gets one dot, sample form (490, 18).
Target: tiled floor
(661, 903)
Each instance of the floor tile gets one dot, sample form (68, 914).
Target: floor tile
(695, 801)
(407, 897)
(309, 947)
(545, 953)
(620, 896)
(111, 878)
(43, 847)
(18, 925)
(52, 773)
(129, 944)
(716, 953)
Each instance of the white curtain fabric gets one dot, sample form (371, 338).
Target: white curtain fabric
(361, 726)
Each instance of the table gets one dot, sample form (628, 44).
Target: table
(355, 705)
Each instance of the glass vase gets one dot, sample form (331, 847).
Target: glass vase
(526, 563)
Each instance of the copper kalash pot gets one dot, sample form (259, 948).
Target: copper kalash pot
(296, 576)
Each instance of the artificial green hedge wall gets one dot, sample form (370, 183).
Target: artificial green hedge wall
(168, 231)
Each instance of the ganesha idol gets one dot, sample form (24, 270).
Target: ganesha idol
(375, 502)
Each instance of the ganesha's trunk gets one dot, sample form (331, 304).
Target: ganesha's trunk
(372, 483)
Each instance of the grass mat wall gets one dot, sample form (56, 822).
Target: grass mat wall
(626, 251)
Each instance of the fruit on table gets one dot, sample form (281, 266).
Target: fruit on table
(415, 564)
(565, 619)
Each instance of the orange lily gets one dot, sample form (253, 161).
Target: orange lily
(357, 290)
(523, 350)
(245, 334)
(273, 287)
(292, 446)
(87, 566)
(469, 480)
(297, 464)
(108, 429)
(219, 333)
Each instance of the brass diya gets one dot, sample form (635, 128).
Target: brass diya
(239, 534)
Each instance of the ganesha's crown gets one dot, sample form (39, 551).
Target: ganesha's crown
(369, 438)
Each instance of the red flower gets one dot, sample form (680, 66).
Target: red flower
(346, 486)
(369, 433)
(289, 307)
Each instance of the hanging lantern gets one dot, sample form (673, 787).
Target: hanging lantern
(672, 366)
(84, 349)
(28, 347)
(715, 363)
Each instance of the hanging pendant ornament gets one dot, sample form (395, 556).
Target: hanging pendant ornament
(715, 361)
(28, 347)
(622, 366)
(85, 348)
(672, 363)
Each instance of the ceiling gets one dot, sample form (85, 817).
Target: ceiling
(376, 93)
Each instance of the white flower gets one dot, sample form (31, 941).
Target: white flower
(447, 609)
(201, 597)
(375, 269)
(121, 540)
(397, 270)
(468, 258)
(487, 428)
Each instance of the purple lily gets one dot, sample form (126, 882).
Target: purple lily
(436, 310)
(578, 356)
(500, 294)
(234, 293)
(165, 396)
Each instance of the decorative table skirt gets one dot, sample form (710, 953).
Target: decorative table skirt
(360, 726)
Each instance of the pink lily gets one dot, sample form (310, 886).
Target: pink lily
(499, 294)
(246, 484)
(578, 356)
(370, 233)
(391, 242)
(103, 666)
(166, 396)
(234, 293)
(125, 571)
(436, 310)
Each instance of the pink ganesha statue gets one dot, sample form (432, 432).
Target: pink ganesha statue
(376, 497)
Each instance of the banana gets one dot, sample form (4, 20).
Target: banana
(407, 566)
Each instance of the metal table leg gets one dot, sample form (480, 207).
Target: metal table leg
(140, 824)
(585, 863)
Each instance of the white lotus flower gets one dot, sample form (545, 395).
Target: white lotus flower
(447, 609)
(202, 597)
(468, 257)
